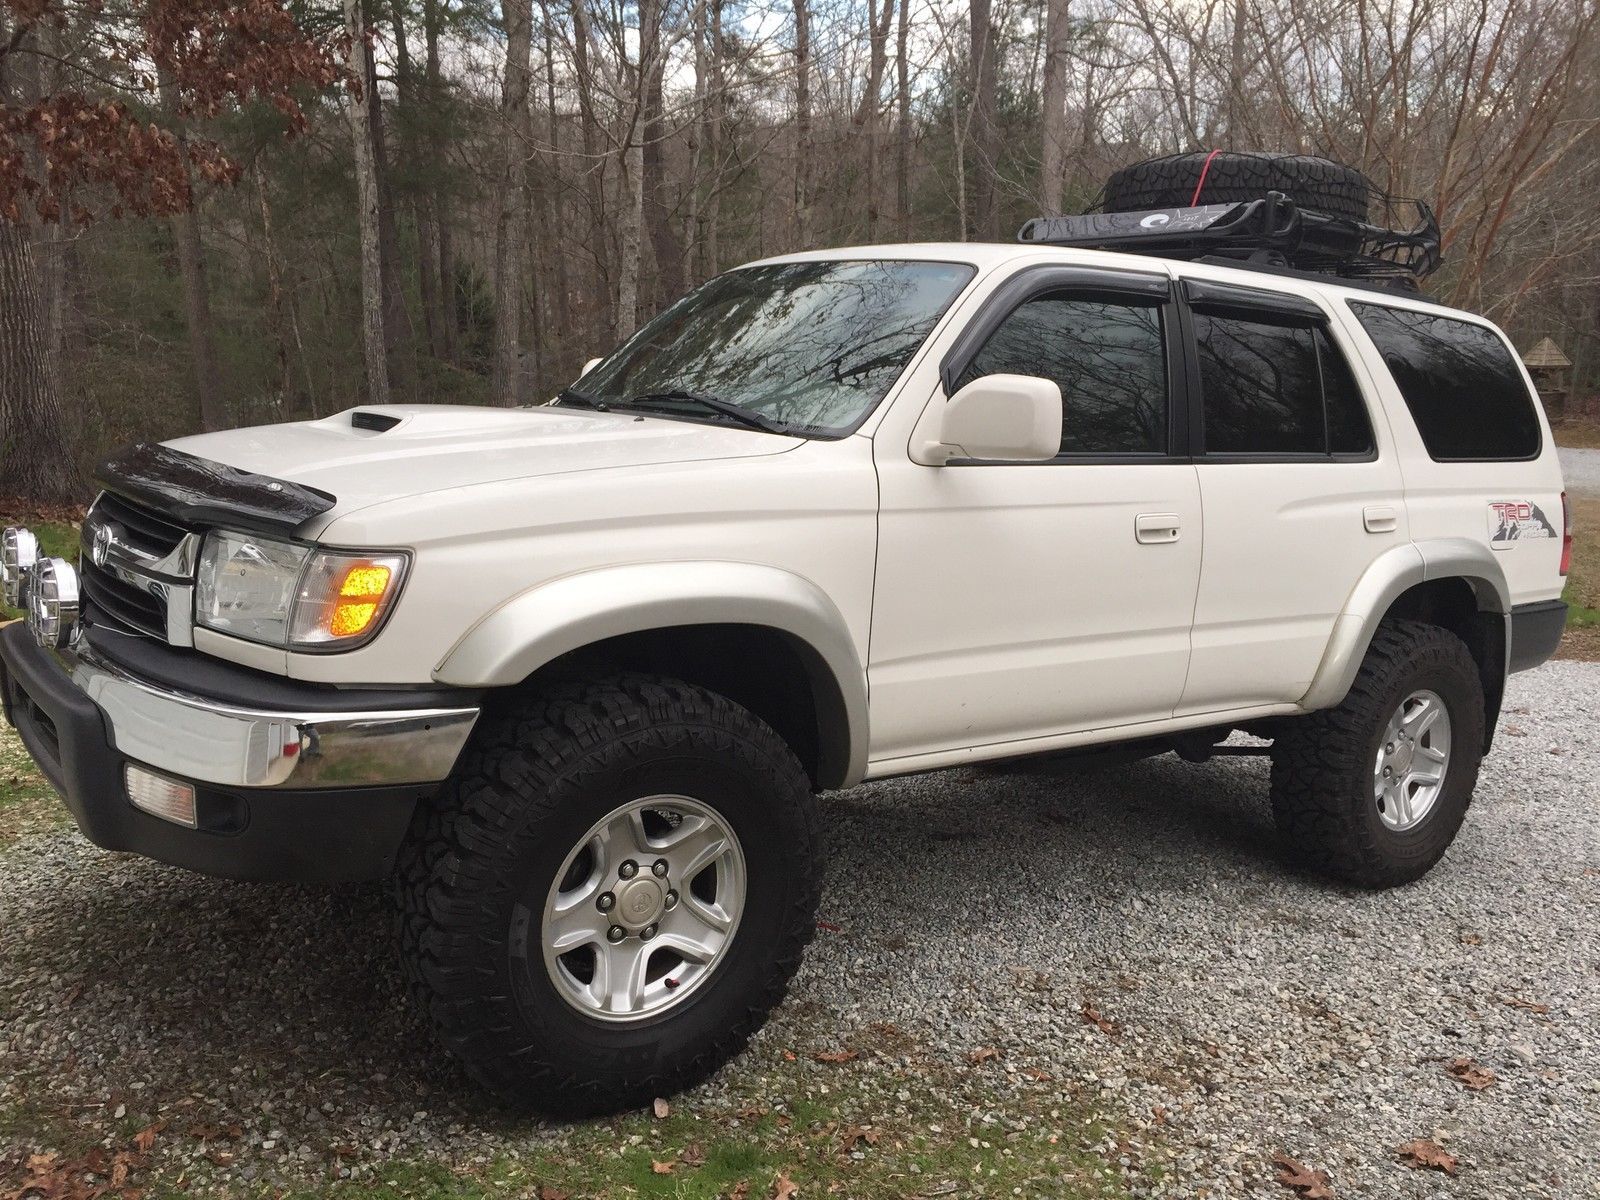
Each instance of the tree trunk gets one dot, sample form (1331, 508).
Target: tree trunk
(409, 108)
(36, 458)
(593, 162)
(869, 111)
(1053, 159)
(711, 258)
(555, 228)
(433, 221)
(983, 133)
(802, 125)
(902, 137)
(398, 342)
(664, 242)
(511, 204)
(373, 344)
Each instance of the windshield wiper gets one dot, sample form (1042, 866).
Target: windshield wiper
(574, 396)
(726, 408)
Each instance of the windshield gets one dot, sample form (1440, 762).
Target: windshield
(811, 347)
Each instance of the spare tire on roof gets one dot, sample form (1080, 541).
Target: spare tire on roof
(1315, 184)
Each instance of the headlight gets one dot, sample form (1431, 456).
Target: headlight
(298, 597)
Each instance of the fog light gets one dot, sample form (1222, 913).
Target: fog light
(53, 602)
(160, 796)
(19, 550)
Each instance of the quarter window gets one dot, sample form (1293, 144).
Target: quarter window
(1109, 358)
(1276, 387)
(1460, 382)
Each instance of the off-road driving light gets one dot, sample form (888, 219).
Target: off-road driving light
(19, 550)
(53, 602)
(160, 796)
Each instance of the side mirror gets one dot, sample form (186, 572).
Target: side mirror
(589, 366)
(1013, 418)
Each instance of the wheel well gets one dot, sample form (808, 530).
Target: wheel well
(1453, 604)
(772, 673)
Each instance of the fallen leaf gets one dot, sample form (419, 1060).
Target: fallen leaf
(836, 1056)
(1313, 1185)
(1038, 1075)
(1469, 1074)
(1420, 1154)
(783, 1188)
(1471, 939)
(854, 1134)
(662, 1168)
(741, 1190)
(1091, 1016)
(662, 1109)
(1525, 1005)
(1160, 1114)
(551, 1192)
(982, 1054)
(220, 1158)
(146, 1137)
(693, 1155)
(789, 1056)
(753, 1113)
(829, 927)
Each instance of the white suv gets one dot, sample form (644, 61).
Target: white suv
(572, 675)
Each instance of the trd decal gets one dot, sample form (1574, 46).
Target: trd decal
(1517, 521)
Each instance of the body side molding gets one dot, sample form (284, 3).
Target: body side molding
(540, 625)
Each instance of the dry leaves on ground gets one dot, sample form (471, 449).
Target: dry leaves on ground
(982, 1054)
(1469, 1074)
(1525, 1005)
(836, 1056)
(784, 1188)
(1091, 1016)
(1422, 1154)
(1312, 1184)
(853, 1135)
(662, 1168)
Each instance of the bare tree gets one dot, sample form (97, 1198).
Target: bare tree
(507, 382)
(374, 346)
(983, 131)
(1053, 120)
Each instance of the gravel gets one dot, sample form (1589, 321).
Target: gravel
(1244, 1010)
(1581, 470)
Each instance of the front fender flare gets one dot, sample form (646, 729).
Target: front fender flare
(538, 626)
(1390, 576)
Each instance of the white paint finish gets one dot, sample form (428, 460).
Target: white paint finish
(810, 512)
(1016, 602)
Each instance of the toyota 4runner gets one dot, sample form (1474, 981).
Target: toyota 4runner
(572, 675)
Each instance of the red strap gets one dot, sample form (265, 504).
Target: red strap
(1204, 171)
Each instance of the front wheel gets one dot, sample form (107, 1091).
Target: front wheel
(612, 893)
(1374, 790)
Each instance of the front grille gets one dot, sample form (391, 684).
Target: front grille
(146, 531)
(128, 589)
(119, 602)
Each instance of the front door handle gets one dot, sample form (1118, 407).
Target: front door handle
(1154, 529)
(1380, 518)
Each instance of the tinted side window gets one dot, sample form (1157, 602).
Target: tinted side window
(1260, 388)
(1459, 381)
(1349, 427)
(1109, 359)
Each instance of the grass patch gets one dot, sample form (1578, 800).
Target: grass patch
(27, 802)
(1582, 594)
(1577, 434)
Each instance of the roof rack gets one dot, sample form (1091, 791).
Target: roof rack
(1271, 233)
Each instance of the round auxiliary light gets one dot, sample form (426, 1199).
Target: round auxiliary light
(53, 602)
(19, 550)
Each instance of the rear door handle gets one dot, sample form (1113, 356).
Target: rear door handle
(1379, 518)
(1153, 529)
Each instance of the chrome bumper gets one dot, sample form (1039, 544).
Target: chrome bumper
(201, 740)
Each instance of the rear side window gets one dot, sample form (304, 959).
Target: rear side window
(1460, 382)
(1276, 387)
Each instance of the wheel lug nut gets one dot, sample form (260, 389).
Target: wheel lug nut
(606, 902)
(1389, 749)
(672, 899)
(1388, 771)
(660, 868)
(628, 869)
(648, 932)
(615, 934)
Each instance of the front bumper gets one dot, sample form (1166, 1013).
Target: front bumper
(303, 784)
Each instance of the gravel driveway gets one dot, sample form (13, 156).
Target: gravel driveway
(1581, 470)
(1243, 1010)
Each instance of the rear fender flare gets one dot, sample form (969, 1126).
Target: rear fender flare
(1390, 576)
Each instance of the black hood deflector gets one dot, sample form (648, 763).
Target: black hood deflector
(200, 493)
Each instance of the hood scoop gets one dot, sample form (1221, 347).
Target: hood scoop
(373, 422)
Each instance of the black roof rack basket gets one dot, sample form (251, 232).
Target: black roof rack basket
(1270, 231)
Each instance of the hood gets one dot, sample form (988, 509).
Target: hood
(369, 455)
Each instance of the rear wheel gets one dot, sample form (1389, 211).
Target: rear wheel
(611, 895)
(1374, 791)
